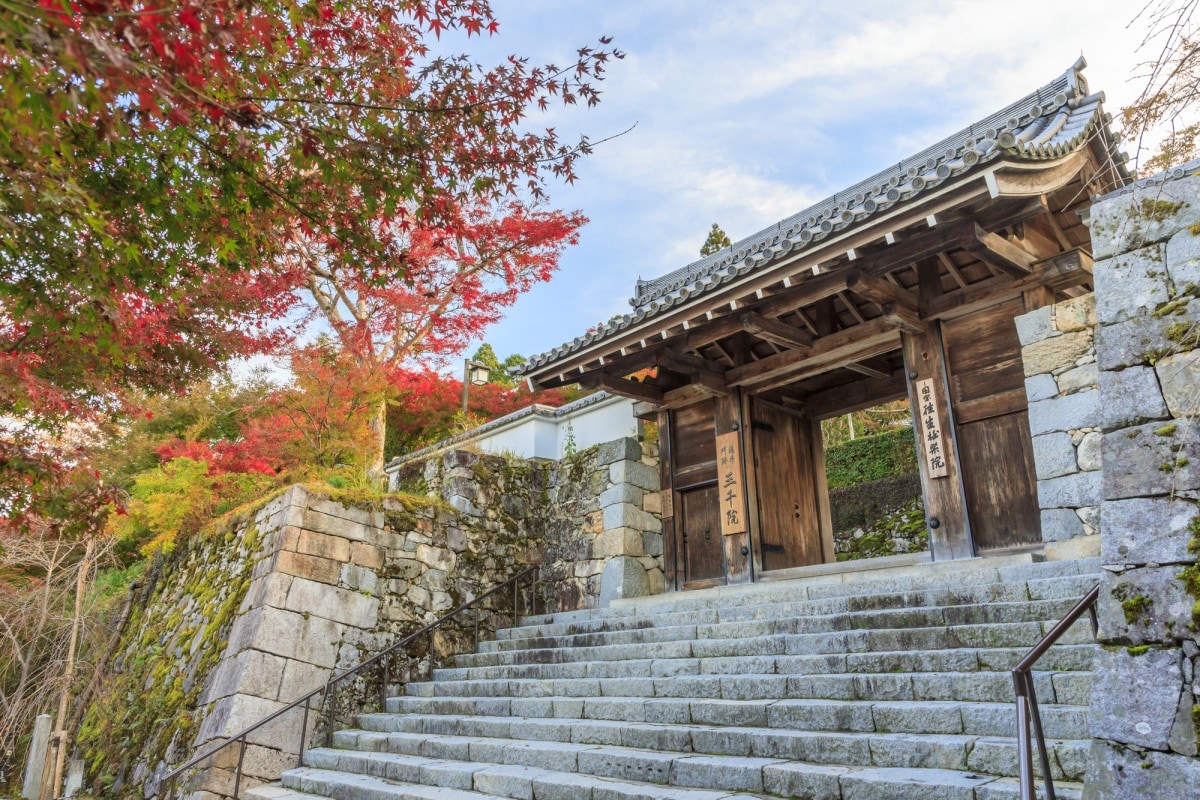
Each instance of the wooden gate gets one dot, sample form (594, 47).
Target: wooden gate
(788, 516)
(987, 384)
(694, 484)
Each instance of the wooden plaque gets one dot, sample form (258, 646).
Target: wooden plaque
(731, 481)
(929, 424)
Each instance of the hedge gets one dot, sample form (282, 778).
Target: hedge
(871, 458)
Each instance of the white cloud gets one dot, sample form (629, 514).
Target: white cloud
(749, 112)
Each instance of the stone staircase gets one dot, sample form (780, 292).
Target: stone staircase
(861, 686)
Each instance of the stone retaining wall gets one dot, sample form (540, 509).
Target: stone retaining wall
(1144, 715)
(1058, 350)
(596, 514)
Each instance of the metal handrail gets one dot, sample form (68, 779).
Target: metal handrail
(1028, 714)
(325, 691)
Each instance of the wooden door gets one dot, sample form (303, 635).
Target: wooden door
(788, 517)
(987, 388)
(700, 537)
(694, 483)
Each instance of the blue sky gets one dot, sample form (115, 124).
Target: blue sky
(748, 112)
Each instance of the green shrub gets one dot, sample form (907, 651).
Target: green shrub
(871, 458)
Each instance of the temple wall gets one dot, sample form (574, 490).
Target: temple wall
(1144, 717)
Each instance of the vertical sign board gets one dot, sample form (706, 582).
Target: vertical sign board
(732, 483)
(931, 430)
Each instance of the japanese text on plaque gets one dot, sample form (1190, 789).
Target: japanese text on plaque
(729, 478)
(930, 426)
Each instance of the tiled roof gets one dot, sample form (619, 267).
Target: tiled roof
(1053, 121)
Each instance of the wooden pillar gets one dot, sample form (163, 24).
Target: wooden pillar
(945, 499)
(752, 489)
(665, 471)
(738, 567)
(824, 512)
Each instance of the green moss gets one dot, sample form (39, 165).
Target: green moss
(1191, 575)
(1139, 650)
(1136, 607)
(1157, 210)
(148, 711)
(1167, 430)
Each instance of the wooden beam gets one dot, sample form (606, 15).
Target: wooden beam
(776, 332)
(1052, 223)
(863, 369)
(856, 396)
(625, 387)
(707, 373)
(1002, 253)
(1068, 269)
(902, 317)
(851, 307)
(880, 291)
(845, 346)
(952, 268)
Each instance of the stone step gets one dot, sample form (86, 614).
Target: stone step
(787, 780)
(1072, 588)
(947, 575)
(792, 622)
(1060, 658)
(1052, 687)
(987, 635)
(655, 748)
(976, 718)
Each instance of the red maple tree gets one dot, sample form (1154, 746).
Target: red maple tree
(171, 171)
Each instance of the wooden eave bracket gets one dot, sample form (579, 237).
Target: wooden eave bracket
(622, 386)
(880, 291)
(776, 332)
(994, 249)
(701, 371)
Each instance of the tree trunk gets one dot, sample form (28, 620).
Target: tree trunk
(379, 429)
(64, 698)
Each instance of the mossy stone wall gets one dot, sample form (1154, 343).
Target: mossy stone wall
(1144, 714)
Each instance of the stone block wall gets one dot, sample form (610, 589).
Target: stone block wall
(1144, 715)
(244, 620)
(594, 516)
(1058, 350)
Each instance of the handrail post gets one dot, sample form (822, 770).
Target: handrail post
(304, 732)
(383, 681)
(1029, 717)
(237, 777)
(1035, 720)
(1024, 750)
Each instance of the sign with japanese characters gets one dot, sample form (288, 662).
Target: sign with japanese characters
(929, 423)
(730, 481)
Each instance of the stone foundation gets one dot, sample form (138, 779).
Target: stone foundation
(585, 511)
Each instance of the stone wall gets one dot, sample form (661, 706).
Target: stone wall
(879, 518)
(1058, 350)
(1144, 715)
(595, 515)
